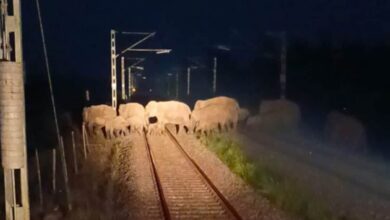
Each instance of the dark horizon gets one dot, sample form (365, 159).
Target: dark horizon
(336, 59)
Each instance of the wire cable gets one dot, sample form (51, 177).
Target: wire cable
(48, 72)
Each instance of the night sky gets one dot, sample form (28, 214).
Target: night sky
(78, 31)
(329, 40)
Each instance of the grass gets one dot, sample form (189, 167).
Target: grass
(94, 190)
(280, 190)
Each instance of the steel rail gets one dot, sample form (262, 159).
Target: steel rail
(225, 202)
(164, 204)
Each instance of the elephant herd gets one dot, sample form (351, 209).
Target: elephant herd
(217, 114)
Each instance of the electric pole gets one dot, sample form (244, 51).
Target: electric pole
(87, 96)
(215, 76)
(114, 56)
(177, 85)
(283, 65)
(168, 86)
(123, 70)
(12, 113)
(283, 60)
(113, 70)
(130, 81)
(188, 80)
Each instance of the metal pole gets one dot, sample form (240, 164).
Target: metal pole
(130, 82)
(39, 178)
(87, 96)
(188, 80)
(65, 173)
(123, 78)
(6, 53)
(74, 153)
(54, 167)
(133, 82)
(84, 140)
(177, 86)
(215, 76)
(87, 143)
(168, 86)
(283, 63)
(12, 114)
(113, 71)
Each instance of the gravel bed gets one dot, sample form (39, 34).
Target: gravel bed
(249, 203)
(130, 189)
(137, 183)
(117, 182)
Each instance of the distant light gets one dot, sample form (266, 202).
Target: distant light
(133, 89)
(150, 90)
(163, 51)
(139, 74)
(144, 77)
(169, 74)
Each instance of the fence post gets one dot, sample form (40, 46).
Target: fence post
(74, 154)
(84, 140)
(39, 178)
(54, 166)
(65, 173)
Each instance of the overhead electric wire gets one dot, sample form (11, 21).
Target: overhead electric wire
(48, 72)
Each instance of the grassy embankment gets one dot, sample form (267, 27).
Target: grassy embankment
(280, 190)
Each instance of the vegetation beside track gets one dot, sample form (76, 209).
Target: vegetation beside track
(94, 191)
(280, 190)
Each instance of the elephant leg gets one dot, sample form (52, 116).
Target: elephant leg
(177, 126)
(151, 129)
(127, 131)
(100, 130)
(89, 129)
(138, 130)
(227, 127)
(161, 129)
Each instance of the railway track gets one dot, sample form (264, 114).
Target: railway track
(184, 189)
